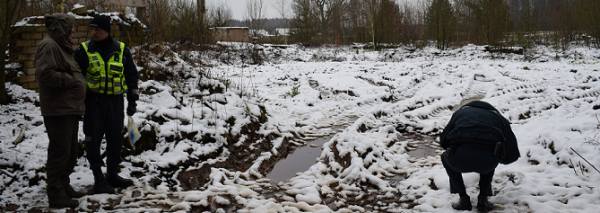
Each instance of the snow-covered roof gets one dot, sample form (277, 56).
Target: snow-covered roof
(259, 32)
(131, 18)
(242, 28)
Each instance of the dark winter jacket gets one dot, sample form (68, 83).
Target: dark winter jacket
(61, 83)
(480, 121)
(106, 50)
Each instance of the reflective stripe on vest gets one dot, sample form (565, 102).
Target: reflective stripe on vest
(104, 79)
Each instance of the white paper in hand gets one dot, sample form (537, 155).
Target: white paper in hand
(132, 132)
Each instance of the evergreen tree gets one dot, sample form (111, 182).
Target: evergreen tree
(303, 25)
(589, 16)
(527, 26)
(387, 22)
(440, 21)
(491, 20)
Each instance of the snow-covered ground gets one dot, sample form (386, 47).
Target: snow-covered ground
(384, 100)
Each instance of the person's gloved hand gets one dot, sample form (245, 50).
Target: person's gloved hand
(132, 96)
(131, 108)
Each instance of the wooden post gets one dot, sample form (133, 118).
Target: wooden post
(60, 8)
(201, 15)
(201, 10)
(141, 14)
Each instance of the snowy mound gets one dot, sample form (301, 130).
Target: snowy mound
(215, 121)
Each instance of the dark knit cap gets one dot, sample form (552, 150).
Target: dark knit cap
(102, 22)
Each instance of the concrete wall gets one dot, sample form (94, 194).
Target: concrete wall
(22, 45)
(231, 34)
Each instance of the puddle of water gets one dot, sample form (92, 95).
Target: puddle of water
(304, 157)
(423, 151)
(395, 180)
(298, 161)
(420, 146)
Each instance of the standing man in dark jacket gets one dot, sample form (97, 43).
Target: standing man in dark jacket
(476, 139)
(62, 92)
(110, 73)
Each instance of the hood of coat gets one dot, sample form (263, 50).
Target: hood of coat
(59, 27)
(481, 104)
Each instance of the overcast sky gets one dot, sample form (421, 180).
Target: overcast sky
(238, 7)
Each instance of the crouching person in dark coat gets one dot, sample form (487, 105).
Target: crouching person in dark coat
(62, 92)
(476, 139)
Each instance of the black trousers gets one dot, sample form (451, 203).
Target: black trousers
(104, 116)
(465, 159)
(62, 153)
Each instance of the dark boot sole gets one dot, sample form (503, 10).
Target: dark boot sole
(76, 195)
(120, 185)
(123, 183)
(484, 209)
(462, 208)
(96, 191)
(62, 206)
(103, 192)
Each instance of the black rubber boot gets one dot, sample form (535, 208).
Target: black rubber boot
(483, 205)
(463, 204)
(115, 180)
(100, 184)
(71, 193)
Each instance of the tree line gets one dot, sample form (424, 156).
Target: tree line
(496, 23)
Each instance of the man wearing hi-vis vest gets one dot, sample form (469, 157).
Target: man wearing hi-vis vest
(110, 75)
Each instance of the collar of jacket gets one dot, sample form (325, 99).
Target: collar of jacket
(113, 46)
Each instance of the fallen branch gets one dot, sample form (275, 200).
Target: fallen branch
(12, 179)
(7, 174)
(585, 159)
(572, 164)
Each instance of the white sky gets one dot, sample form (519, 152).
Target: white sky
(238, 7)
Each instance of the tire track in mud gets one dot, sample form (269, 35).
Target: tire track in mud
(532, 99)
(532, 96)
(529, 98)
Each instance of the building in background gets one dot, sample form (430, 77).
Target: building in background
(231, 34)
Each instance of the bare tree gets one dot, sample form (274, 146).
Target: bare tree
(372, 5)
(324, 11)
(526, 26)
(358, 21)
(282, 7)
(255, 14)
(303, 23)
(159, 13)
(38, 8)
(410, 23)
(589, 17)
(201, 5)
(11, 11)
(488, 20)
(185, 21)
(104, 5)
(564, 23)
(220, 15)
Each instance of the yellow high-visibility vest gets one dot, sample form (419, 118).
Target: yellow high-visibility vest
(105, 79)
